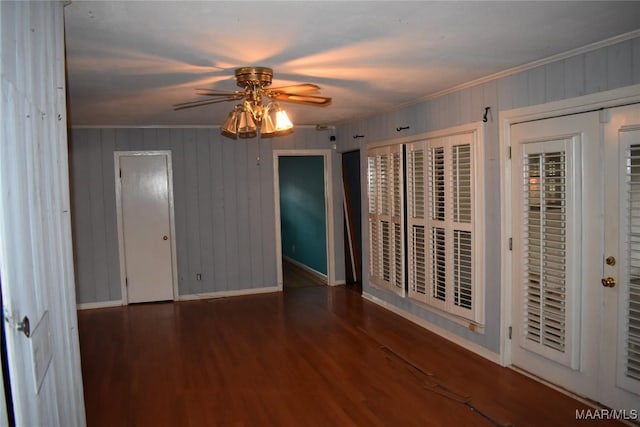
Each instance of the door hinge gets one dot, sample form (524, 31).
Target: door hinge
(126, 282)
(510, 332)
(509, 152)
(120, 172)
(510, 243)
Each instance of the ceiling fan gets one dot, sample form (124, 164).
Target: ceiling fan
(252, 116)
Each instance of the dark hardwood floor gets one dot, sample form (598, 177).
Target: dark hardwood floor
(314, 356)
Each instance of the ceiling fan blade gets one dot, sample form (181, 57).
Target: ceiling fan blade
(201, 102)
(300, 88)
(211, 92)
(304, 99)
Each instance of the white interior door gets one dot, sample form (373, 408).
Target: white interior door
(576, 259)
(557, 250)
(620, 351)
(146, 226)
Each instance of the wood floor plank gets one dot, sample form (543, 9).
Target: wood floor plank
(311, 356)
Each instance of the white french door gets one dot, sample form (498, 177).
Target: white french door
(620, 348)
(573, 199)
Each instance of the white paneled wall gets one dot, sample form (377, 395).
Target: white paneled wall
(35, 229)
(224, 207)
(601, 69)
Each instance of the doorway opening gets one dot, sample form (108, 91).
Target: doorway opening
(304, 226)
(352, 219)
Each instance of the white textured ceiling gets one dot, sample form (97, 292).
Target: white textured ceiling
(128, 62)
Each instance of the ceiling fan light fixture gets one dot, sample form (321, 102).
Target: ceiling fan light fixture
(230, 126)
(283, 123)
(247, 127)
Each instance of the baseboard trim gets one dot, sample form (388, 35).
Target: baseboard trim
(223, 294)
(450, 336)
(101, 304)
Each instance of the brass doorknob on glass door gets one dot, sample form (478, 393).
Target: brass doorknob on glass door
(165, 237)
(608, 282)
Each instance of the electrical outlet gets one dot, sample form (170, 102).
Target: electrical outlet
(198, 276)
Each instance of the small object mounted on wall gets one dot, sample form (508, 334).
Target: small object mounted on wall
(358, 136)
(486, 113)
(401, 128)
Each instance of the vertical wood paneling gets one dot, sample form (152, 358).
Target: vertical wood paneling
(554, 81)
(595, 69)
(96, 197)
(574, 76)
(255, 214)
(192, 210)
(205, 232)
(537, 85)
(506, 92)
(108, 144)
(36, 253)
(219, 234)
(635, 53)
(243, 257)
(267, 220)
(82, 229)
(619, 65)
(180, 206)
(230, 211)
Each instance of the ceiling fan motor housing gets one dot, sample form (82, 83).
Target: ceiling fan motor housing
(254, 76)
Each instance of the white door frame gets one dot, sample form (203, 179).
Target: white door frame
(172, 229)
(328, 208)
(612, 98)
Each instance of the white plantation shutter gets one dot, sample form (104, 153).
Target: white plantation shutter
(629, 359)
(441, 199)
(386, 216)
(548, 250)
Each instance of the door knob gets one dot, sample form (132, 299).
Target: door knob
(165, 237)
(24, 327)
(608, 282)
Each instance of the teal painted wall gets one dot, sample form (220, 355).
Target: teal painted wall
(302, 210)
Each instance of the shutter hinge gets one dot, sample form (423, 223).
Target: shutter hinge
(510, 243)
(510, 332)
(509, 152)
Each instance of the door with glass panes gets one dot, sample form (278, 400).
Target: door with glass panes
(575, 314)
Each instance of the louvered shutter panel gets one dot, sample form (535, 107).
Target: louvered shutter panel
(437, 259)
(548, 250)
(441, 215)
(386, 215)
(461, 179)
(416, 221)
